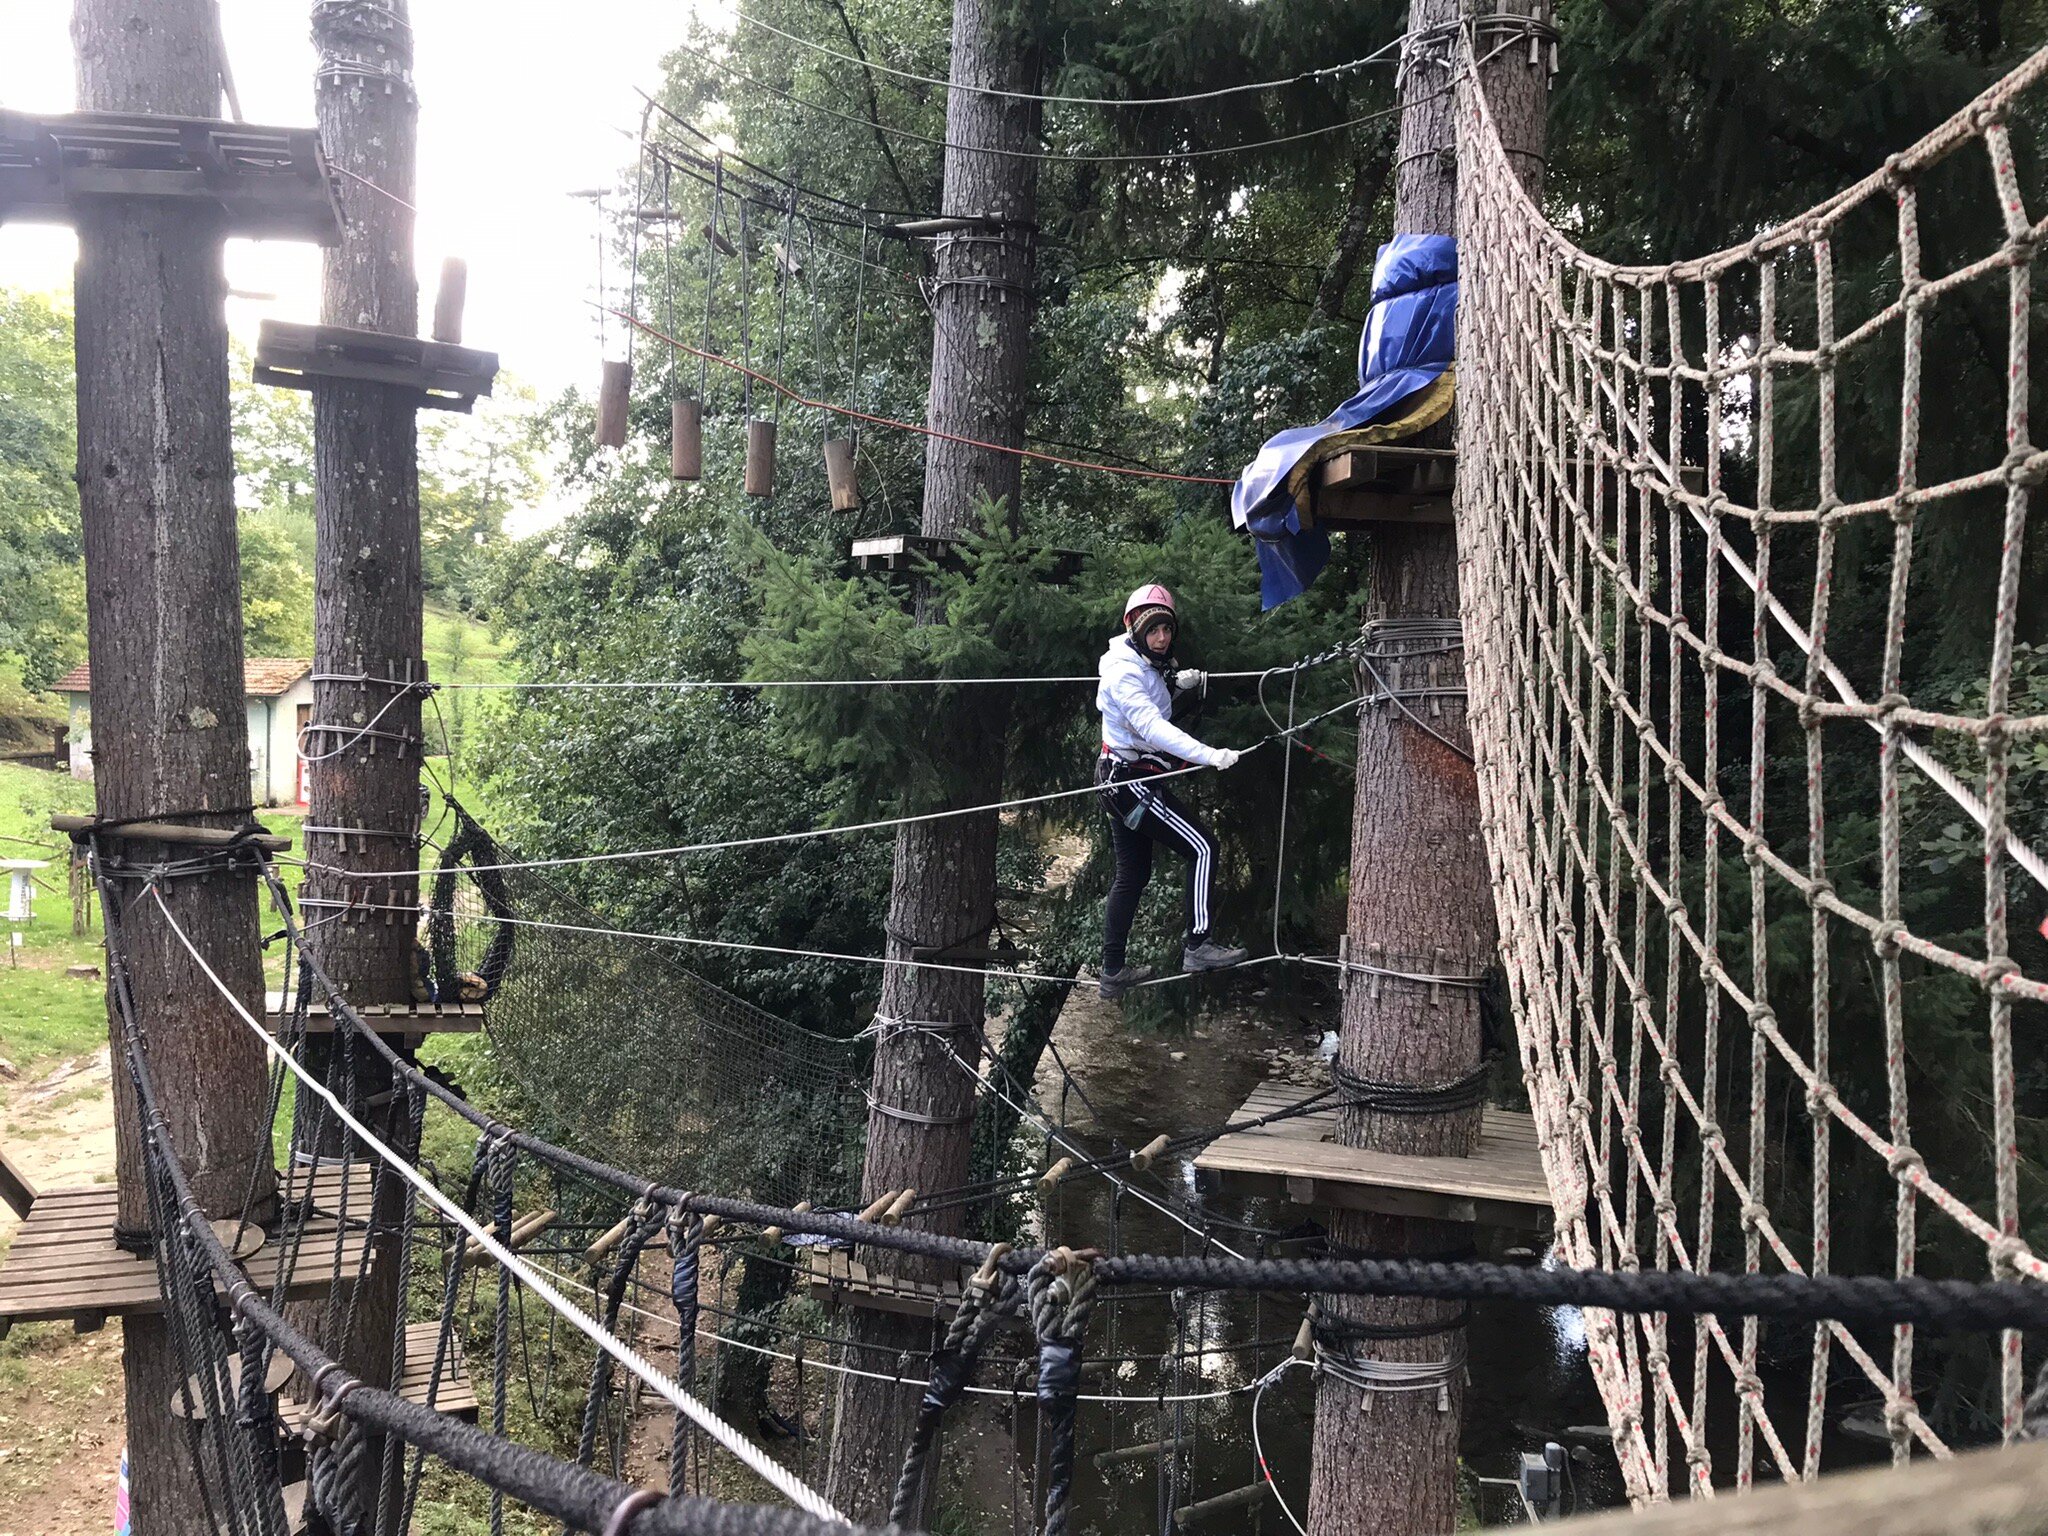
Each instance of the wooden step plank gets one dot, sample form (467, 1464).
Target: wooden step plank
(63, 1263)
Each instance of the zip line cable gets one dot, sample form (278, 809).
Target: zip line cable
(756, 1460)
(1377, 56)
(922, 430)
(724, 845)
(952, 146)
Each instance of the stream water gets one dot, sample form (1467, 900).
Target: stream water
(1529, 1378)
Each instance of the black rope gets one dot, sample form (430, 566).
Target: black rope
(1460, 1093)
(982, 1310)
(1062, 1291)
(471, 843)
(1333, 1331)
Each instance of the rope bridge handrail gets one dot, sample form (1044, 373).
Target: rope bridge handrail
(1602, 633)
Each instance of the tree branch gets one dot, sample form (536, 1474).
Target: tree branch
(867, 75)
(1370, 169)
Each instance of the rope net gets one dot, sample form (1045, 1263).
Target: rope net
(635, 1058)
(1753, 787)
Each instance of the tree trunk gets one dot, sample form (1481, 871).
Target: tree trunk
(1420, 902)
(164, 628)
(944, 882)
(366, 600)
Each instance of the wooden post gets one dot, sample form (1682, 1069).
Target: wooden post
(367, 600)
(944, 880)
(1386, 1464)
(164, 629)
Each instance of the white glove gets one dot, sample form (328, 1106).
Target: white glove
(1225, 757)
(1188, 679)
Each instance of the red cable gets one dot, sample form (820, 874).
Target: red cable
(910, 426)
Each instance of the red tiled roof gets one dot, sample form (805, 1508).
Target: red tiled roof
(263, 677)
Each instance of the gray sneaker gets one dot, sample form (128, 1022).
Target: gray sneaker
(1112, 985)
(1211, 957)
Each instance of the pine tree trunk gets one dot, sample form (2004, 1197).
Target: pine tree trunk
(1386, 1464)
(164, 627)
(367, 600)
(944, 881)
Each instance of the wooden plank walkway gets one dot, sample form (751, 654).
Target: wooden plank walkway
(1501, 1185)
(834, 1276)
(386, 1018)
(63, 1265)
(456, 1397)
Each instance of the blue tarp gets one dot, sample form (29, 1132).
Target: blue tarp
(1408, 342)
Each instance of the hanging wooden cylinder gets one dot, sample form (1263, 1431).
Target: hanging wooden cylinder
(841, 474)
(685, 438)
(613, 396)
(760, 457)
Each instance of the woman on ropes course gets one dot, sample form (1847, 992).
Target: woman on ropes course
(1139, 690)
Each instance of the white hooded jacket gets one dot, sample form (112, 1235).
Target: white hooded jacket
(1137, 709)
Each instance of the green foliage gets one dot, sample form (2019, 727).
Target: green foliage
(42, 594)
(277, 589)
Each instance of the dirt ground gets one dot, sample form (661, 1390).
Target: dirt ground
(61, 1427)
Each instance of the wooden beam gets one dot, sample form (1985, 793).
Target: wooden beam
(15, 1188)
(170, 832)
(1990, 1492)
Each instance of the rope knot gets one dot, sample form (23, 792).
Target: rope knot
(1763, 670)
(1749, 1384)
(1762, 1016)
(1898, 1413)
(1903, 1160)
(1629, 1263)
(1885, 938)
(1998, 970)
(1696, 1457)
(1994, 730)
(1821, 1100)
(1581, 1106)
(1710, 1136)
(1754, 1215)
(1658, 1360)
(2006, 1252)
(2025, 466)
(1667, 1208)
(1893, 173)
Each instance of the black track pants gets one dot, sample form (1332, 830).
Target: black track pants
(1164, 820)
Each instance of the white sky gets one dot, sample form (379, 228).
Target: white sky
(521, 103)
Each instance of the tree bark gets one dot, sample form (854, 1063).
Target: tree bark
(944, 880)
(367, 606)
(164, 631)
(1387, 1464)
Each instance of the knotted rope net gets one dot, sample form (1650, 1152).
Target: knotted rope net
(1759, 798)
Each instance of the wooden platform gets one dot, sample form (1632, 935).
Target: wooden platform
(903, 552)
(1385, 484)
(834, 1276)
(445, 376)
(457, 1396)
(268, 183)
(386, 1018)
(63, 1265)
(1501, 1185)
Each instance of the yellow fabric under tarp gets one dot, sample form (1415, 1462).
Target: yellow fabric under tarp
(1425, 409)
